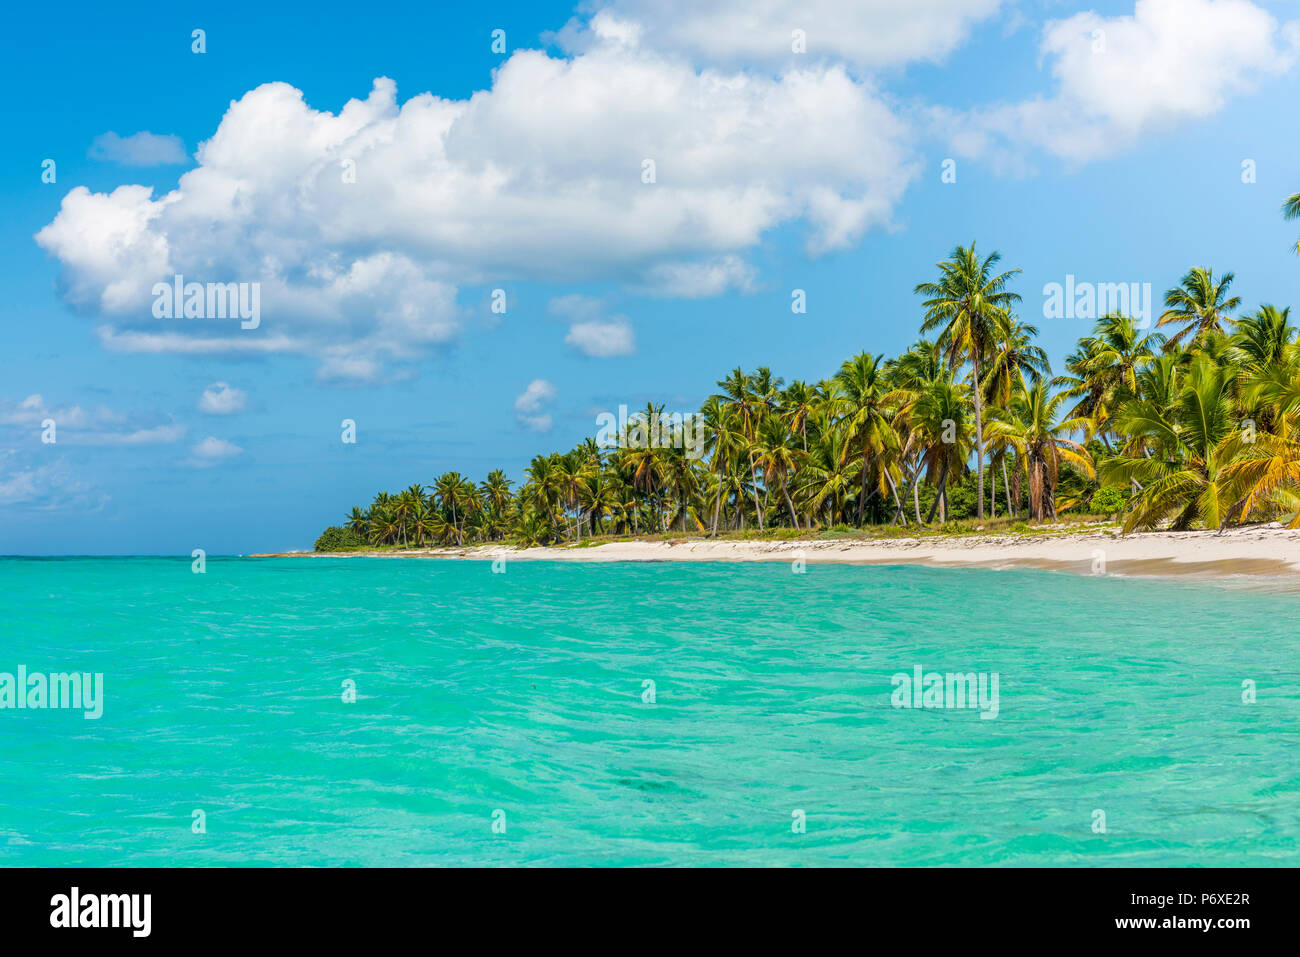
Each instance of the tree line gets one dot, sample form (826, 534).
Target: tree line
(1192, 424)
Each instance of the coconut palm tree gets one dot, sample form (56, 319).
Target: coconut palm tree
(1015, 361)
(1182, 479)
(828, 477)
(1291, 210)
(779, 456)
(1104, 371)
(798, 402)
(745, 408)
(1030, 424)
(864, 410)
(940, 432)
(1200, 305)
(452, 494)
(966, 304)
(1263, 339)
(495, 490)
(358, 522)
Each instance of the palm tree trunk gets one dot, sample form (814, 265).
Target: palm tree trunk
(1006, 487)
(717, 504)
(794, 517)
(979, 431)
(753, 471)
(898, 503)
(938, 495)
(862, 496)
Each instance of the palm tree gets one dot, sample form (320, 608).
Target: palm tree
(496, 490)
(966, 303)
(828, 477)
(778, 457)
(1104, 370)
(744, 407)
(1015, 361)
(598, 497)
(450, 489)
(359, 522)
(1029, 424)
(1263, 339)
(1182, 479)
(723, 442)
(940, 432)
(570, 470)
(1199, 304)
(864, 409)
(798, 402)
(646, 468)
(1291, 210)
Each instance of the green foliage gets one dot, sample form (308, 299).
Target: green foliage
(335, 539)
(1108, 501)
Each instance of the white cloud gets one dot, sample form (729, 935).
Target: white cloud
(603, 338)
(77, 426)
(867, 33)
(211, 451)
(158, 435)
(52, 486)
(139, 149)
(697, 280)
(179, 343)
(33, 410)
(590, 331)
(530, 403)
(538, 178)
(1119, 78)
(222, 399)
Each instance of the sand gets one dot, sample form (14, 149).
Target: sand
(1266, 551)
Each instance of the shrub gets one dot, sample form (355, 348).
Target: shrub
(335, 539)
(1108, 501)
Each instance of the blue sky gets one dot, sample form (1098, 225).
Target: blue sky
(1101, 141)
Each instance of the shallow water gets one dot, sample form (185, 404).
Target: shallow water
(522, 693)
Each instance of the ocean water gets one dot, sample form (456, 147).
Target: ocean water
(520, 699)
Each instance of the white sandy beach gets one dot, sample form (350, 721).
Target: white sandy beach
(1269, 551)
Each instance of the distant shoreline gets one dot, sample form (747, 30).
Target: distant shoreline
(1263, 551)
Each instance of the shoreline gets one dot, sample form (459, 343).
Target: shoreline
(1259, 551)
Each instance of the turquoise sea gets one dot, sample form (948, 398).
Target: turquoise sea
(520, 698)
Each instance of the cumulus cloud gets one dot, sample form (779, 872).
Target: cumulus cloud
(139, 149)
(602, 339)
(530, 403)
(590, 331)
(700, 279)
(212, 451)
(867, 33)
(222, 399)
(1119, 78)
(361, 225)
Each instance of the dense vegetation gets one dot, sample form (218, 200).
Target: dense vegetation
(1197, 428)
(335, 539)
